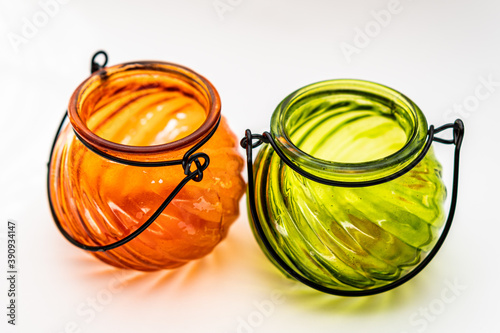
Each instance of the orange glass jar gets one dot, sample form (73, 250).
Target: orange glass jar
(106, 177)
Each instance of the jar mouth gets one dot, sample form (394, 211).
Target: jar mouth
(339, 97)
(155, 74)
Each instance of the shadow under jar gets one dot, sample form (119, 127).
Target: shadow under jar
(348, 239)
(145, 112)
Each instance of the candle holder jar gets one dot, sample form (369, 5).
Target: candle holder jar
(129, 177)
(346, 194)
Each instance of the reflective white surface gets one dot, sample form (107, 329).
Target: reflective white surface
(444, 55)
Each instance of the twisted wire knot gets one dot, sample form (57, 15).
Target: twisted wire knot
(188, 161)
(261, 138)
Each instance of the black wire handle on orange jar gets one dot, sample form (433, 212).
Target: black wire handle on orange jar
(248, 144)
(190, 157)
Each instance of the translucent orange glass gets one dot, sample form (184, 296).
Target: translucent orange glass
(145, 111)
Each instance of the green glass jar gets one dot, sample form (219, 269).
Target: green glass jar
(387, 213)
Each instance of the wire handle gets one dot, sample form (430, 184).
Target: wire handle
(248, 144)
(94, 65)
(190, 157)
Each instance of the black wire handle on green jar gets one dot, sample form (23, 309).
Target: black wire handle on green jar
(190, 157)
(251, 141)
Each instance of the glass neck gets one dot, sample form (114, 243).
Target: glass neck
(349, 130)
(144, 111)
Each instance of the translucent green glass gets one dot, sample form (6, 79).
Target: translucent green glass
(349, 238)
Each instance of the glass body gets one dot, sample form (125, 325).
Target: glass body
(340, 237)
(145, 111)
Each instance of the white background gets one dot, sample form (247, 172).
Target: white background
(437, 52)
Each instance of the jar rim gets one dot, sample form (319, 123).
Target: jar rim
(354, 171)
(131, 151)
